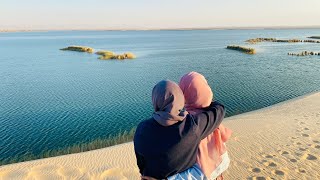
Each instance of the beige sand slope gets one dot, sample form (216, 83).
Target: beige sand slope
(279, 142)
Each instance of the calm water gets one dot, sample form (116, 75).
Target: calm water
(51, 98)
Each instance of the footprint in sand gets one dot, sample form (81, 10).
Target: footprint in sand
(298, 143)
(267, 156)
(301, 170)
(315, 146)
(293, 160)
(257, 178)
(270, 164)
(305, 135)
(284, 152)
(303, 149)
(309, 157)
(256, 170)
(315, 141)
(306, 129)
(278, 172)
(70, 172)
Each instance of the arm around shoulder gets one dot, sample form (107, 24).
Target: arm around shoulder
(210, 119)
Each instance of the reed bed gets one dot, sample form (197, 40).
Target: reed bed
(305, 53)
(78, 49)
(106, 55)
(258, 40)
(124, 137)
(242, 49)
(314, 37)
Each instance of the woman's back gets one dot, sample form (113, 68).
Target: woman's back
(163, 151)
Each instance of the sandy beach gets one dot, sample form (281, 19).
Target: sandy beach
(278, 142)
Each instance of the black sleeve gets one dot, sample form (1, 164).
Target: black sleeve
(210, 119)
(137, 146)
(140, 162)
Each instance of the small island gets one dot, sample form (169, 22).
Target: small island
(242, 49)
(314, 37)
(258, 40)
(79, 49)
(106, 55)
(305, 53)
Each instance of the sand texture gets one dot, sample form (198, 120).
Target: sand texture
(278, 142)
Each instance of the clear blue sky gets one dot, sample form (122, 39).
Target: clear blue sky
(105, 14)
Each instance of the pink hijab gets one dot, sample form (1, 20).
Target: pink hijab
(198, 95)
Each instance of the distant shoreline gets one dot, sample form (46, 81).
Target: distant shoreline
(164, 29)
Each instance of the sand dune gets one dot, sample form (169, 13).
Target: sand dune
(279, 142)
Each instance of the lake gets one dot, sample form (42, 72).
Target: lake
(52, 99)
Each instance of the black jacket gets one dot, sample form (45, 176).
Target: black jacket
(162, 151)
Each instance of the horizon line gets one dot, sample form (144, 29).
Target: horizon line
(163, 29)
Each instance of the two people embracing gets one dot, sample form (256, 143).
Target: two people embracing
(184, 138)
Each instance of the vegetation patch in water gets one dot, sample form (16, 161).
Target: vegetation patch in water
(305, 53)
(314, 37)
(258, 40)
(106, 55)
(78, 48)
(242, 49)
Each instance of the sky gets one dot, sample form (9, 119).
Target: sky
(155, 14)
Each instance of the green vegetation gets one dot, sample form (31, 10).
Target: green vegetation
(124, 137)
(258, 40)
(314, 37)
(311, 41)
(105, 55)
(78, 48)
(305, 53)
(129, 55)
(242, 49)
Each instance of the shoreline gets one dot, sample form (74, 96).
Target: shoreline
(8, 30)
(280, 141)
(100, 143)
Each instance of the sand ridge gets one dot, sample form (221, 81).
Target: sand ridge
(278, 142)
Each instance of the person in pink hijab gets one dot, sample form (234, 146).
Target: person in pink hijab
(212, 156)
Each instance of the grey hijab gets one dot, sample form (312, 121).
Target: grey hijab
(168, 103)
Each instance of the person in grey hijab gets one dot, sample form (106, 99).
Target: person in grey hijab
(167, 143)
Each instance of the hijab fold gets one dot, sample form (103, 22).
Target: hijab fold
(168, 103)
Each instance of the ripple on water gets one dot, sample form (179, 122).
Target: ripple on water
(52, 98)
